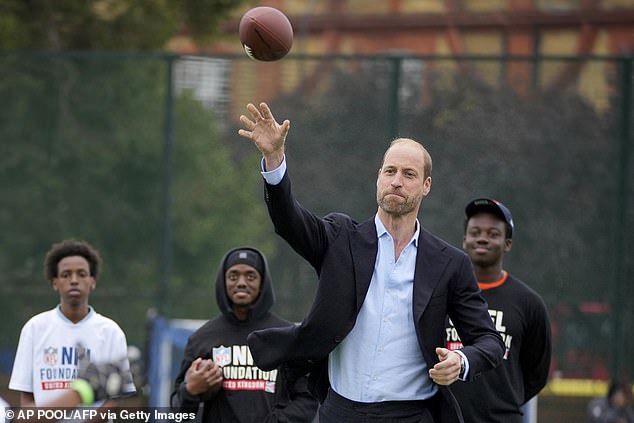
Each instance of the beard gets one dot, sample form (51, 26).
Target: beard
(391, 204)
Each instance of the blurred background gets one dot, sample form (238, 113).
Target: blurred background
(119, 126)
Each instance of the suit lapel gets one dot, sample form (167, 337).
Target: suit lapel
(364, 246)
(430, 263)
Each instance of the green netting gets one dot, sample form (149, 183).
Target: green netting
(139, 155)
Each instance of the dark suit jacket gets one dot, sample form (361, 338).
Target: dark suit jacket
(343, 253)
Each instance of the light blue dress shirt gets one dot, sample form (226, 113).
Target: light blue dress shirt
(380, 359)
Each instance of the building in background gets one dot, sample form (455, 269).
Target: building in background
(512, 28)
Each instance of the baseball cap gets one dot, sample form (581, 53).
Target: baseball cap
(488, 205)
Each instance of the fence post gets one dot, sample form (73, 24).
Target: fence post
(530, 411)
(620, 221)
(165, 264)
(393, 95)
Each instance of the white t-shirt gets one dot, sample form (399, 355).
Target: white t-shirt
(3, 410)
(46, 359)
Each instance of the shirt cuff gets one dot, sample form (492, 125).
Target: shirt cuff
(186, 398)
(465, 376)
(274, 177)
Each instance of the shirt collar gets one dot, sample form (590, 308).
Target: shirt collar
(86, 317)
(380, 230)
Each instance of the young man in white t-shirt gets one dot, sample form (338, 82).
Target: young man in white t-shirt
(4, 406)
(47, 358)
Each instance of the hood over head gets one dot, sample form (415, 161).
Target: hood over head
(255, 259)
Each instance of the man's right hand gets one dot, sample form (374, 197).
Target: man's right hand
(268, 135)
(203, 377)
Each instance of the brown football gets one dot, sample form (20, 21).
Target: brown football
(266, 33)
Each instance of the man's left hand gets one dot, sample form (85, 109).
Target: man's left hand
(447, 370)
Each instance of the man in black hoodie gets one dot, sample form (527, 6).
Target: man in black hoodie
(217, 367)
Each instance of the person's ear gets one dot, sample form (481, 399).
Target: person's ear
(508, 244)
(427, 185)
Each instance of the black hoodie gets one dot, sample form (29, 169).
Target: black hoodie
(248, 395)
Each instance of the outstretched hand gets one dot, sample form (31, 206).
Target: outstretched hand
(447, 370)
(266, 133)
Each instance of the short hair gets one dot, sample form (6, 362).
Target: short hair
(618, 386)
(427, 166)
(69, 248)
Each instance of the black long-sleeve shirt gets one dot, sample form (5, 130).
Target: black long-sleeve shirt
(248, 394)
(521, 318)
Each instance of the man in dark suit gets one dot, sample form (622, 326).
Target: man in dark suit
(372, 338)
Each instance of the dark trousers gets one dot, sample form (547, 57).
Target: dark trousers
(337, 409)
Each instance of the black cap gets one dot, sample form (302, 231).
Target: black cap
(244, 256)
(488, 205)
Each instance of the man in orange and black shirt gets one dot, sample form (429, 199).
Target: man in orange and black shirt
(519, 314)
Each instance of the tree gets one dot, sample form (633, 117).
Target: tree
(82, 153)
(82, 137)
(108, 24)
(550, 158)
(546, 156)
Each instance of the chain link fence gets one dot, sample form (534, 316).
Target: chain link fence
(139, 155)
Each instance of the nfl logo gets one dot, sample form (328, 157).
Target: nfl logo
(50, 356)
(221, 355)
(269, 386)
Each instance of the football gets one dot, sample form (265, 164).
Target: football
(266, 34)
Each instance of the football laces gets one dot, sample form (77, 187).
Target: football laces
(249, 51)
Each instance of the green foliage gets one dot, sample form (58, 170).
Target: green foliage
(549, 157)
(336, 143)
(485, 141)
(108, 24)
(217, 206)
(545, 156)
(82, 156)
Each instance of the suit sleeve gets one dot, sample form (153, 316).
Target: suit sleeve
(306, 233)
(536, 350)
(297, 406)
(468, 310)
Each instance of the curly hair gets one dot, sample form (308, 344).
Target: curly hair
(68, 248)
